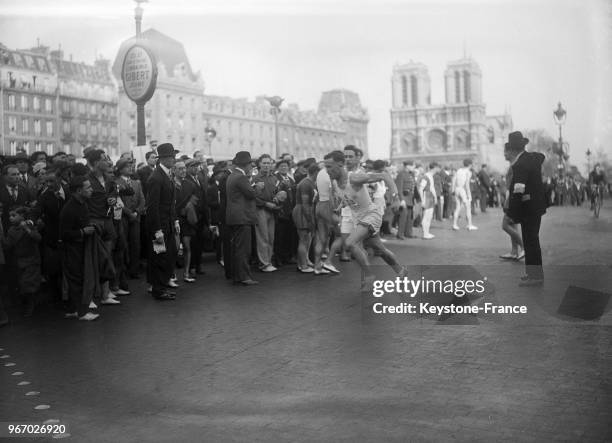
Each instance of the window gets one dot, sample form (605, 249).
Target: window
(466, 86)
(82, 128)
(66, 106)
(93, 109)
(12, 123)
(114, 131)
(414, 90)
(26, 146)
(404, 90)
(457, 87)
(67, 148)
(36, 103)
(25, 126)
(104, 131)
(13, 147)
(37, 146)
(94, 130)
(66, 127)
(37, 127)
(11, 101)
(48, 105)
(24, 103)
(81, 108)
(49, 128)
(50, 148)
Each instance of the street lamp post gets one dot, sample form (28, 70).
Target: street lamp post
(275, 103)
(559, 115)
(210, 136)
(588, 154)
(141, 136)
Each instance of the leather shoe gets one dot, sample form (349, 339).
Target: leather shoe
(249, 282)
(164, 296)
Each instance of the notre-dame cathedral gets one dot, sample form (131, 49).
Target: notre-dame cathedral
(449, 132)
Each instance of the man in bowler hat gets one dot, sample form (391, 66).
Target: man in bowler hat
(527, 203)
(240, 217)
(162, 223)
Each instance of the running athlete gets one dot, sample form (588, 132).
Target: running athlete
(327, 220)
(463, 195)
(352, 157)
(367, 218)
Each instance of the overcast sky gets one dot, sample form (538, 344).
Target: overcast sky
(532, 53)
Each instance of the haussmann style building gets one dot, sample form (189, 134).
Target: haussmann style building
(50, 104)
(180, 112)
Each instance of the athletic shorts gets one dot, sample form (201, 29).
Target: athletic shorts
(347, 225)
(372, 219)
(461, 196)
(324, 212)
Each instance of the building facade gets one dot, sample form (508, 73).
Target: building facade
(87, 105)
(50, 104)
(28, 102)
(449, 132)
(180, 112)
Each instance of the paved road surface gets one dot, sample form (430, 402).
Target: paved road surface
(294, 360)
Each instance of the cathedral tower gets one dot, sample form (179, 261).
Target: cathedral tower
(411, 85)
(463, 81)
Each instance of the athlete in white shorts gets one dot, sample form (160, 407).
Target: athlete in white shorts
(463, 194)
(352, 157)
(367, 217)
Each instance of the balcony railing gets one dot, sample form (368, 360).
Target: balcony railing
(29, 87)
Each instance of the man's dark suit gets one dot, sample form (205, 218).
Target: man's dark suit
(23, 198)
(527, 205)
(485, 184)
(197, 243)
(240, 216)
(161, 215)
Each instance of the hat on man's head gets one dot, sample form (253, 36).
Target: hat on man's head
(122, 163)
(242, 158)
(516, 141)
(22, 157)
(219, 167)
(166, 150)
(192, 162)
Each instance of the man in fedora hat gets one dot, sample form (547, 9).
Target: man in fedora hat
(527, 203)
(26, 178)
(162, 224)
(240, 217)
